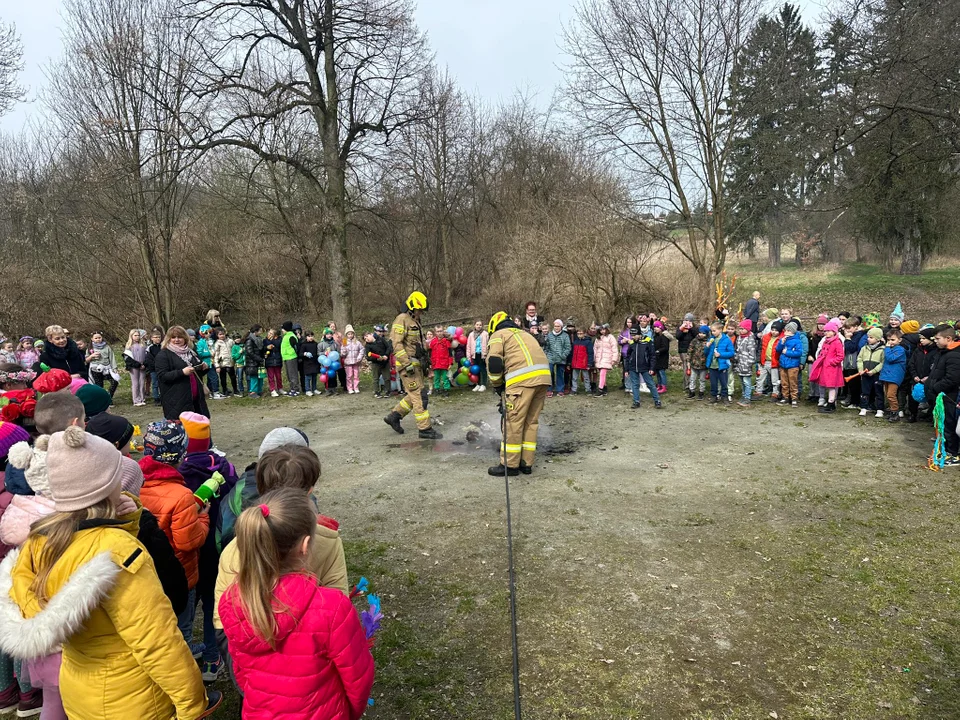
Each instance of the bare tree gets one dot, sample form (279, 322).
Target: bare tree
(353, 69)
(11, 63)
(651, 80)
(122, 98)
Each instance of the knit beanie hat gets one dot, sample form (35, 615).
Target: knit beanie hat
(114, 429)
(82, 469)
(94, 398)
(704, 329)
(197, 428)
(746, 325)
(822, 319)
(689, 317)
(771, 313)
(287, 325)
(52, 380)
(657, 324)
(131, 476)
(165, 441)
(10, 435)
(791, 327)
(928, 331)
(777, 325)
(349, 329)
(875, 333)
(832, 326)
(278, 437)
(33, 462)
(910, 326)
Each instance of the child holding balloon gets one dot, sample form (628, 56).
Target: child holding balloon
(310, 357)
(458, 348)
(330, 359)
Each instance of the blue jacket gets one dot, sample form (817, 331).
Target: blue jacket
(725, 345)
(894, 365)
(791, 351)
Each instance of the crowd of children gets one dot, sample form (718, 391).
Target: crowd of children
(106, 561)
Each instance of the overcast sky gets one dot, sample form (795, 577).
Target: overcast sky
(492, 47)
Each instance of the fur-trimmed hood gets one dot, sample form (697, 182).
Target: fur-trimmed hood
(64, 614)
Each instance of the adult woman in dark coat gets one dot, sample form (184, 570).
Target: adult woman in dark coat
(61, 352)
(180, 374)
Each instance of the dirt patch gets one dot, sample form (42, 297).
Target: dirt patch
(691, 562)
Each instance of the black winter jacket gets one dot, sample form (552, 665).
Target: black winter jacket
(67, 358)
(271, 353)
(684, 338)
(921, 362)
(380, 347)
(311, 365)
(945, 375)
(169, 569)
(253, 352)
(661, 347)
(176, 389)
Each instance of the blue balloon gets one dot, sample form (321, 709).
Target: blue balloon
(334, 367)
(919, 394)
(451, 330)
(474, 369)
(334, 356)
(324, 360)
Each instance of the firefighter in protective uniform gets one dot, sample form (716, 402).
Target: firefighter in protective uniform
(407, 339)
(519, 372)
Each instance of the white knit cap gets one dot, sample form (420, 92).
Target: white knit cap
(82, 469)
(278, 437)
(33, 462)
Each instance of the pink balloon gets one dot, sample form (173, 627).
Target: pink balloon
(75, 384)
(474, 379)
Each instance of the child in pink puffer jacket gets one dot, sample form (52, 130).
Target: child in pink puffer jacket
(606, 353)
(351, 358)
(298, 649)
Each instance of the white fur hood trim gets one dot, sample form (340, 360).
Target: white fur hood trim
(65, 613)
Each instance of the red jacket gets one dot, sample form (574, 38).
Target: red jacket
(178, 514)
(440, 354)
(770, 350)
(322, 668)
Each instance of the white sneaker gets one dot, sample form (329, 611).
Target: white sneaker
(309, 393)
(483, 388)
(218, 396)
(879, 414)
(901, 413)
(274, 393)
(476, 388)
(863, 412)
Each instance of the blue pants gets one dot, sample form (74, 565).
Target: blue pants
(557, 371)
(213, 382)
(155, 385)
(211, 652)
(718, 378)
(662, 377)
(310, 382)
(635, 378)
(747, 382)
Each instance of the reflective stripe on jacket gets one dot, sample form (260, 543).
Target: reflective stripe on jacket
(524, 363)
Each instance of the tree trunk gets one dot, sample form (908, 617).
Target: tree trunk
(911, 260)
(308, 293)
(446, 272)
(774, 246)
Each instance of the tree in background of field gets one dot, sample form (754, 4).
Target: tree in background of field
(11, 63)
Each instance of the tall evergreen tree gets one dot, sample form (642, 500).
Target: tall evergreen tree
(776, 88)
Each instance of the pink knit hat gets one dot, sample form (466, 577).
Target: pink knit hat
(746, 325)
(833, 326)
(822, 319)
(82, 469)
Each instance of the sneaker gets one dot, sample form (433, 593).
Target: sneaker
(783, 401)
(744, 403)
(894, 417)
(218, 396)
(274, 393)
(794, 404)
(901, 414)
(714, 400)
(635, 406)
(476, 388)
(31, 704)
(863, 412)
(729, 399)
(196, 649)
(658, 405)
(951, 461)
(10, 698)
(309, 393)
(211, 670)
(879, 414)
(483, 388)
(378, 396)
(549, 394)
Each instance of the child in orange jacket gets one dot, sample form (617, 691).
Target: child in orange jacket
(179, 515)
